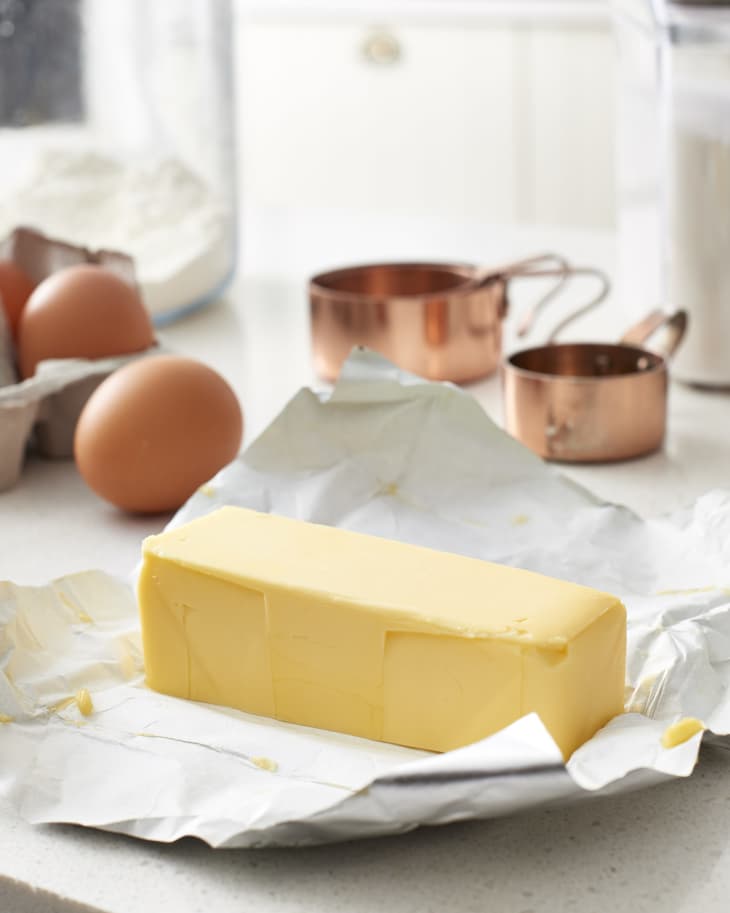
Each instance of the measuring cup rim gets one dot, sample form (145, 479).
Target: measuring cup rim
(658, 363)
(467, 277)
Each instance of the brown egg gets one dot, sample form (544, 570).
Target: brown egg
(82, 312)
(155, 430)
(15, 289)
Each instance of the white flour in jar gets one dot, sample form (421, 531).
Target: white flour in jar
(697, 247)
(162, 214)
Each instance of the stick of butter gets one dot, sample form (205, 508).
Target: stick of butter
(334, 629)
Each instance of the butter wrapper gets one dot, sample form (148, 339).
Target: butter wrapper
(389, 454)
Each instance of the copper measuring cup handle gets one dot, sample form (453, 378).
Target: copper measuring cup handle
(675, 324)
(546, 265)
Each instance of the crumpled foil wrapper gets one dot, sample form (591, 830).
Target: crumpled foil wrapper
(389, 454)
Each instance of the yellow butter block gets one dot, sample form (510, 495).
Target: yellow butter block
(334, 629)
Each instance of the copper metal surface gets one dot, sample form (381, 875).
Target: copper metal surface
(592, 402)
(440, 320)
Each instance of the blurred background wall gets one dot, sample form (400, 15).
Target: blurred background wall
(485, 110)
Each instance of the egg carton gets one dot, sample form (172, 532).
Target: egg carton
(44, 408)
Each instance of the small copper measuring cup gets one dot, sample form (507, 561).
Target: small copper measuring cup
(442, 321)
(593, 402)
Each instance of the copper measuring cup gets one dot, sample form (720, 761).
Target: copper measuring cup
(592, 402)
(442, 321)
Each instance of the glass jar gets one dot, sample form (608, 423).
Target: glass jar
(674, 172)
(116, 131)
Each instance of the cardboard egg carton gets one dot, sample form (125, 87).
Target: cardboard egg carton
(43, 410)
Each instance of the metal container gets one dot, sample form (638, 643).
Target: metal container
(442, 321)
(438, 320)
(592, 402)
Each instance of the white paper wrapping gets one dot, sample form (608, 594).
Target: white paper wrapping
(392, 455)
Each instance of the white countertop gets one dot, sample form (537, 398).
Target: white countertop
(665, 848)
